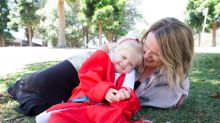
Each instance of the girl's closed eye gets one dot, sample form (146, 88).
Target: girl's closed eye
(123, 57)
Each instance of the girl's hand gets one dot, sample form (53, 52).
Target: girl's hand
(123, 94)
(111, 95)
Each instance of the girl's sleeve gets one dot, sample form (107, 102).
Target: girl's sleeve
(97, 76)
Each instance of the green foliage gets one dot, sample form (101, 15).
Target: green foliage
(195, 20)
(74, 28)
(106, 16)
(127, 21)
(5, 35)
(4, 12)
(8, 38)
(217, 11)
(110, 13)
(24, 15)
(194, 17)
(194, 13)
(104, 13)
(116, 15)
(213, 9)
(27, 12)
(48, 28)
(89, 8)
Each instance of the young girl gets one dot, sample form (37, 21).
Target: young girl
(105, 92)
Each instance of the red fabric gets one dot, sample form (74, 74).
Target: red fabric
(119, 81)
(117, 112)
(96, 77)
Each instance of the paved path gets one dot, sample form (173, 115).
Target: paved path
(13, 59)
(207, 50)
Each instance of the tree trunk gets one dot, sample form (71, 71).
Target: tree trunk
(100, 33)
(29, 35)
(1, 41)
(86, 35)
(110, 36)
(115, 39)
(61, 39)
(199, 38)
(214, 27)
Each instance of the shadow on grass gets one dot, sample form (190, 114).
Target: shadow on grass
(7, 105)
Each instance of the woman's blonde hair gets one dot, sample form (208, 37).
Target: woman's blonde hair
(176, 43)
(133, 47)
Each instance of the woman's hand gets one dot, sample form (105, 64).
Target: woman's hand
(111, 95)
(123, 94)
(108, 47)
(181, 100)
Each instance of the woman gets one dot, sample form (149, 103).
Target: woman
(168, 51)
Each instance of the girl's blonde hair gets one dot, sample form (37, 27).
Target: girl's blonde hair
(176, 43)
(133, 47)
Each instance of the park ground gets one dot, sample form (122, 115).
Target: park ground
(202, 105)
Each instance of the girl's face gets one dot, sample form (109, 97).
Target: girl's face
(124, 62)
(151, 51)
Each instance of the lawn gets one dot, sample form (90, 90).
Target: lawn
(202, 105)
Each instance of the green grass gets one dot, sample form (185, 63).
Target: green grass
(7, 105)
(199, 107)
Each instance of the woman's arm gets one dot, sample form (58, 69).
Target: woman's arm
(185, 86)
(108, 47)
(181, 101)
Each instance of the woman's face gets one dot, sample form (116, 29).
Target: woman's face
(151, 51)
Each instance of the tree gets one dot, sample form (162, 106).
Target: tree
(73, 26)
(77, 24)
(195, 17)
(213, 17)
(24, 16)
(197, 6)
(103, 17)
(108, 15)
(4, 12)
(88, 10)
(115, 18)
(61, 39)
(129, 18)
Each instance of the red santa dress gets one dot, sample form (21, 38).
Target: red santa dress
(96, 76)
